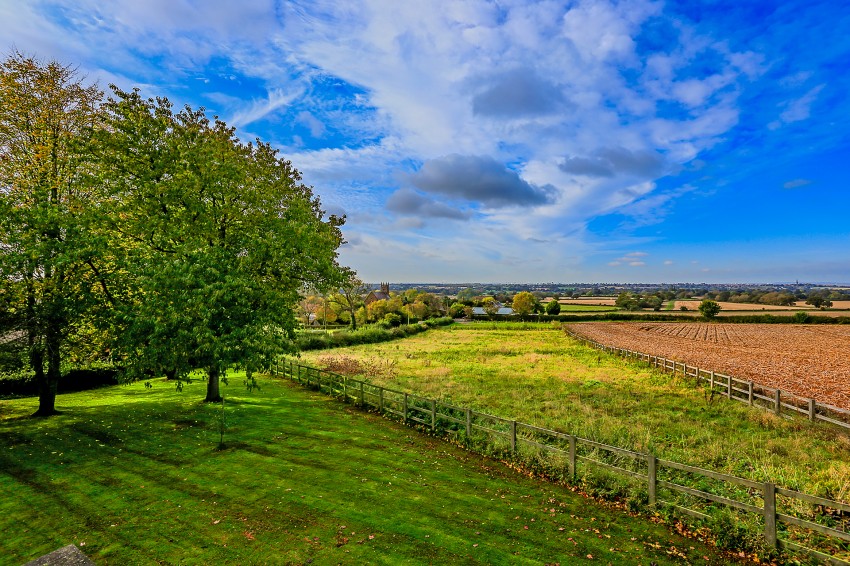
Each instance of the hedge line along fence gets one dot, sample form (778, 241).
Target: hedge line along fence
(786, 514)
(744, 391)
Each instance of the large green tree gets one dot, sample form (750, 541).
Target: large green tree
(221, 236)
(709, 308)
(49, 251)
(523, 303)
(349, 297)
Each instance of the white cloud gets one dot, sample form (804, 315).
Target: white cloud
(797, 183)
(259, 109)
(557, 95)
(797, 110)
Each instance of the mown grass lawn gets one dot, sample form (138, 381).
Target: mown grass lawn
(134, 476)
(537, 375)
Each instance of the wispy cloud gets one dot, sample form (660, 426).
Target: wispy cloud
(798, 109)
(796, 183)
(533, 127)
(260, 109)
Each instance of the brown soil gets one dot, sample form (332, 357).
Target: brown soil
(809, 361)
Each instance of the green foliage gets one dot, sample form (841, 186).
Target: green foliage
(553, 308)
(50, 249)
(819, 300)
(371, 334)
(392, 319)
(349, 297)
(220, 237)
(491, 307)
(709, 309)
(457, 310)
(523, 303)
(801, 317)
(627, 301)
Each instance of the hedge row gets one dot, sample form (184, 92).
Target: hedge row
(21, 384)
(371, 334)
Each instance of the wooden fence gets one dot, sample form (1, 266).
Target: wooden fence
(782, 510)
(772, 399)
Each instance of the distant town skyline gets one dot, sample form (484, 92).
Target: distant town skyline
(631, 141)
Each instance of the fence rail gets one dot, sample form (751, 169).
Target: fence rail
(743, 391)
(656, 475)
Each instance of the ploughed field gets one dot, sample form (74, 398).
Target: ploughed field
(810, 361)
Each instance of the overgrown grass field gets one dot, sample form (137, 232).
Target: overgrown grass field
(537, 375)
(136, 476)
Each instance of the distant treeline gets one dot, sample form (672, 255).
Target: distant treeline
(796, 318)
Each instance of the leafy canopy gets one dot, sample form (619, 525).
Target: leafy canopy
(221, 237)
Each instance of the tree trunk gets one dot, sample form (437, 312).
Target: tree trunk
(48, 382)
(213, 395)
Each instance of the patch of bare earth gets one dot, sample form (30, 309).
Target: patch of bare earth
(728, 306)
(598, 301)
(809, 361)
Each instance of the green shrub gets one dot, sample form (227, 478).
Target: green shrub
(372, 334)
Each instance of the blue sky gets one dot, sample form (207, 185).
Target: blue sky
(512, 141)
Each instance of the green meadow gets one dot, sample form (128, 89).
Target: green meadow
(586, 308)
(535, 374)
(136, 475)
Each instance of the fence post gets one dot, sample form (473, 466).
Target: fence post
(572, 458)
(711, 381)
(319, 381)
(812, 409)
(513, 437)
(404, 410)
(770, 514)
(651, 464)
(298, 379)
(750, 392)
(362, 401)
(381, 400)
(778, 401)
(433, 415)
(468, 424)
(729, 387)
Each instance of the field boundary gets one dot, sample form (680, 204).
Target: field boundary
(656, 476)
(744, 391)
